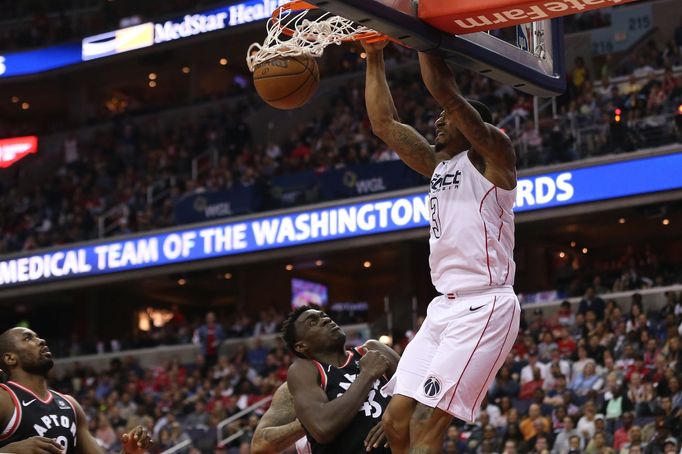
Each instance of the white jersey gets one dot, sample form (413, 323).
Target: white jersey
(302, 446)
(472, 229)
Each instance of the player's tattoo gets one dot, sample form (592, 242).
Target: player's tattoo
(422, 413)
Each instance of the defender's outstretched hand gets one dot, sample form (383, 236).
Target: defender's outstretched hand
(137, 441)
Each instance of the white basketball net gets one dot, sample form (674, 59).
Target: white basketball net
(310, 37)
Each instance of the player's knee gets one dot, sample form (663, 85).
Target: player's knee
(395, 425)
(428, 425)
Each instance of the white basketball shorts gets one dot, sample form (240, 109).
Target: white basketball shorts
(458, 350)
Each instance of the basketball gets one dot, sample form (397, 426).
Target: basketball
(287, 82)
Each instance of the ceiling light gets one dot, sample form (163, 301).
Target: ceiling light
(15, 99)
(562, 254)
(318, 262)
(185, 70)
(227, 275)
(572, 243)
(289, 267)
(152, 76)
(621, 221)
(25, 105)
(152, 83)
(584, 250)
(182, 281)
(665, 221)
(367, 264)
(223, 61)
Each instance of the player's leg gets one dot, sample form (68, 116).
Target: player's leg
(405, 383)
(427, 429)
(396, 423)
(472, 348)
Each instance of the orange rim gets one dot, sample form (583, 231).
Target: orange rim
(299, 5)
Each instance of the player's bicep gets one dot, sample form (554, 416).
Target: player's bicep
(6, 408)
(281, 409)
(498, 148)
(307, 394)
(86, 443)
(412, 147)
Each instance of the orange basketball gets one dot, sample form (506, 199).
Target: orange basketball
(287, 82)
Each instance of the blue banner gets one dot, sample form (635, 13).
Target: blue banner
(368, 179)
(214, 205)
(294, 189)
(135, 37)
(40, 60)
(381, 215)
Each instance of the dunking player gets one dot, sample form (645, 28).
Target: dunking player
(337, 392)
(37, 420)
(446, 370)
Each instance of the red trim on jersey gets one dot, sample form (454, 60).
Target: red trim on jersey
(506, 274)
(349, 356)
(49, 398)
(323, 375)
(480, 208)
(361, 350)
(487, 256)
(485, 232)
(494, 363)
(454, 393)
(17, 408)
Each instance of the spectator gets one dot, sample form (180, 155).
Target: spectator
(592, 302)
(562, 442)
(634, 441)
(210, 336)
(528, 427)
(587, 381)
(621, 435)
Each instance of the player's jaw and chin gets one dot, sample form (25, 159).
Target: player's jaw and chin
(39, 364)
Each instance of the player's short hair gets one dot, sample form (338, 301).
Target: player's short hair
(289, 328)
(482, 110)
(6, 346)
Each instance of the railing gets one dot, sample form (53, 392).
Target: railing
(652, 130)
(185, 353)
(108, 222)
(178, 447)
(221, 442)
(203, 163)
(159, 190)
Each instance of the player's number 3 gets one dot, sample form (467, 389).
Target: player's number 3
(435, 217)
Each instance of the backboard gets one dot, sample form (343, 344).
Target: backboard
(537, 71)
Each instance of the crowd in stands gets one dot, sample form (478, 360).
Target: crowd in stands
(114, 168)
(591, 378)
(39, 23)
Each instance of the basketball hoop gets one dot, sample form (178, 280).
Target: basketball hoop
(293, 31)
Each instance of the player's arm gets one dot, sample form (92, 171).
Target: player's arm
(412, 147)
(137, 441)
(278, 428)
(325, 419)
(390, 354)
(486, 139)
(33, 445)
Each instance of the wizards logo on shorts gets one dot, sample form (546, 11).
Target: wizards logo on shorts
(432, 386)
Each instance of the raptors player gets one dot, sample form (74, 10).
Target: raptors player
(37, 420)
(446, 370)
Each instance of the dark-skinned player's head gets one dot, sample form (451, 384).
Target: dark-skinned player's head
(22, 349)
(308, 331)
(449, 138)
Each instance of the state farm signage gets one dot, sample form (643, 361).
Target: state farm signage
(16, 148)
